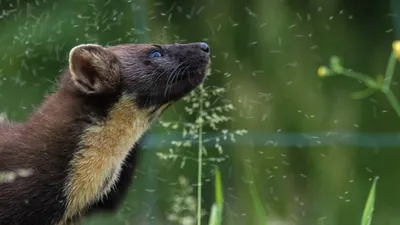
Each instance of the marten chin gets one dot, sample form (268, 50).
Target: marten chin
(77, 152)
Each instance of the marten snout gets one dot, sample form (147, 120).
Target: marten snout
(204, 46)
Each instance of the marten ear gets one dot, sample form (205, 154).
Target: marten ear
(94, 69)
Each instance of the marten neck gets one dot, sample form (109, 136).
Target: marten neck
(104, 147)
(103, 132)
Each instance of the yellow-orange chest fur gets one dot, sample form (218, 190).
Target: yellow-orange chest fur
(95, 168)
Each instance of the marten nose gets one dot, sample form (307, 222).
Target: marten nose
(204, 47)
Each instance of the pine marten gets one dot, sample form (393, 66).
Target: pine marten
(79, 146)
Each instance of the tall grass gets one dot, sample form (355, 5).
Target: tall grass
(200, 155)
(212, 110)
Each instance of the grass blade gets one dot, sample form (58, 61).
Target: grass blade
(258, 205)
(369, 205)
(217, 207)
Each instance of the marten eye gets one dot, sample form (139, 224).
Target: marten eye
(155, 54)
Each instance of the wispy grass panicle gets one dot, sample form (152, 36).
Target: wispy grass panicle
(211, 109)
(183, 210)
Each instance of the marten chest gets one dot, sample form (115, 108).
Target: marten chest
(95, 168)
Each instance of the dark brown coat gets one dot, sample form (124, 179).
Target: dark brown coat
(65, 159)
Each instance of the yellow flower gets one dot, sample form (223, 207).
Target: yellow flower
(396, 49)
(322, 71)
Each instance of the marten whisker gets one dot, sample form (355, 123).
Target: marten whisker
(178, 75)
(174, 76)
(170, 76)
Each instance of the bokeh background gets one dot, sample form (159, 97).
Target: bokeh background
(312, 149)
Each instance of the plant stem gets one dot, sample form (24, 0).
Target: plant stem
(389, 72)
(393, 101)
(200, 157)
(369, 82)
(356, 75)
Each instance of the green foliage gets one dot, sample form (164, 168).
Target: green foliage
(379, 85)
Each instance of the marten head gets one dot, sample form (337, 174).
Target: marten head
(152, 75)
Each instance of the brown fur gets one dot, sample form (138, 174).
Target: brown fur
(77, 143)
(102, 69)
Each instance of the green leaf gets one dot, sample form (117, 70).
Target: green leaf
(369, 205)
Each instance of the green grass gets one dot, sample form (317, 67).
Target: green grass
(369, 205)
(217, 207)
(258, 205)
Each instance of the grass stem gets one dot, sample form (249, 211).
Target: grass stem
(200, 157)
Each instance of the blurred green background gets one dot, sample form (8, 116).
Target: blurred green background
(312, 149)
